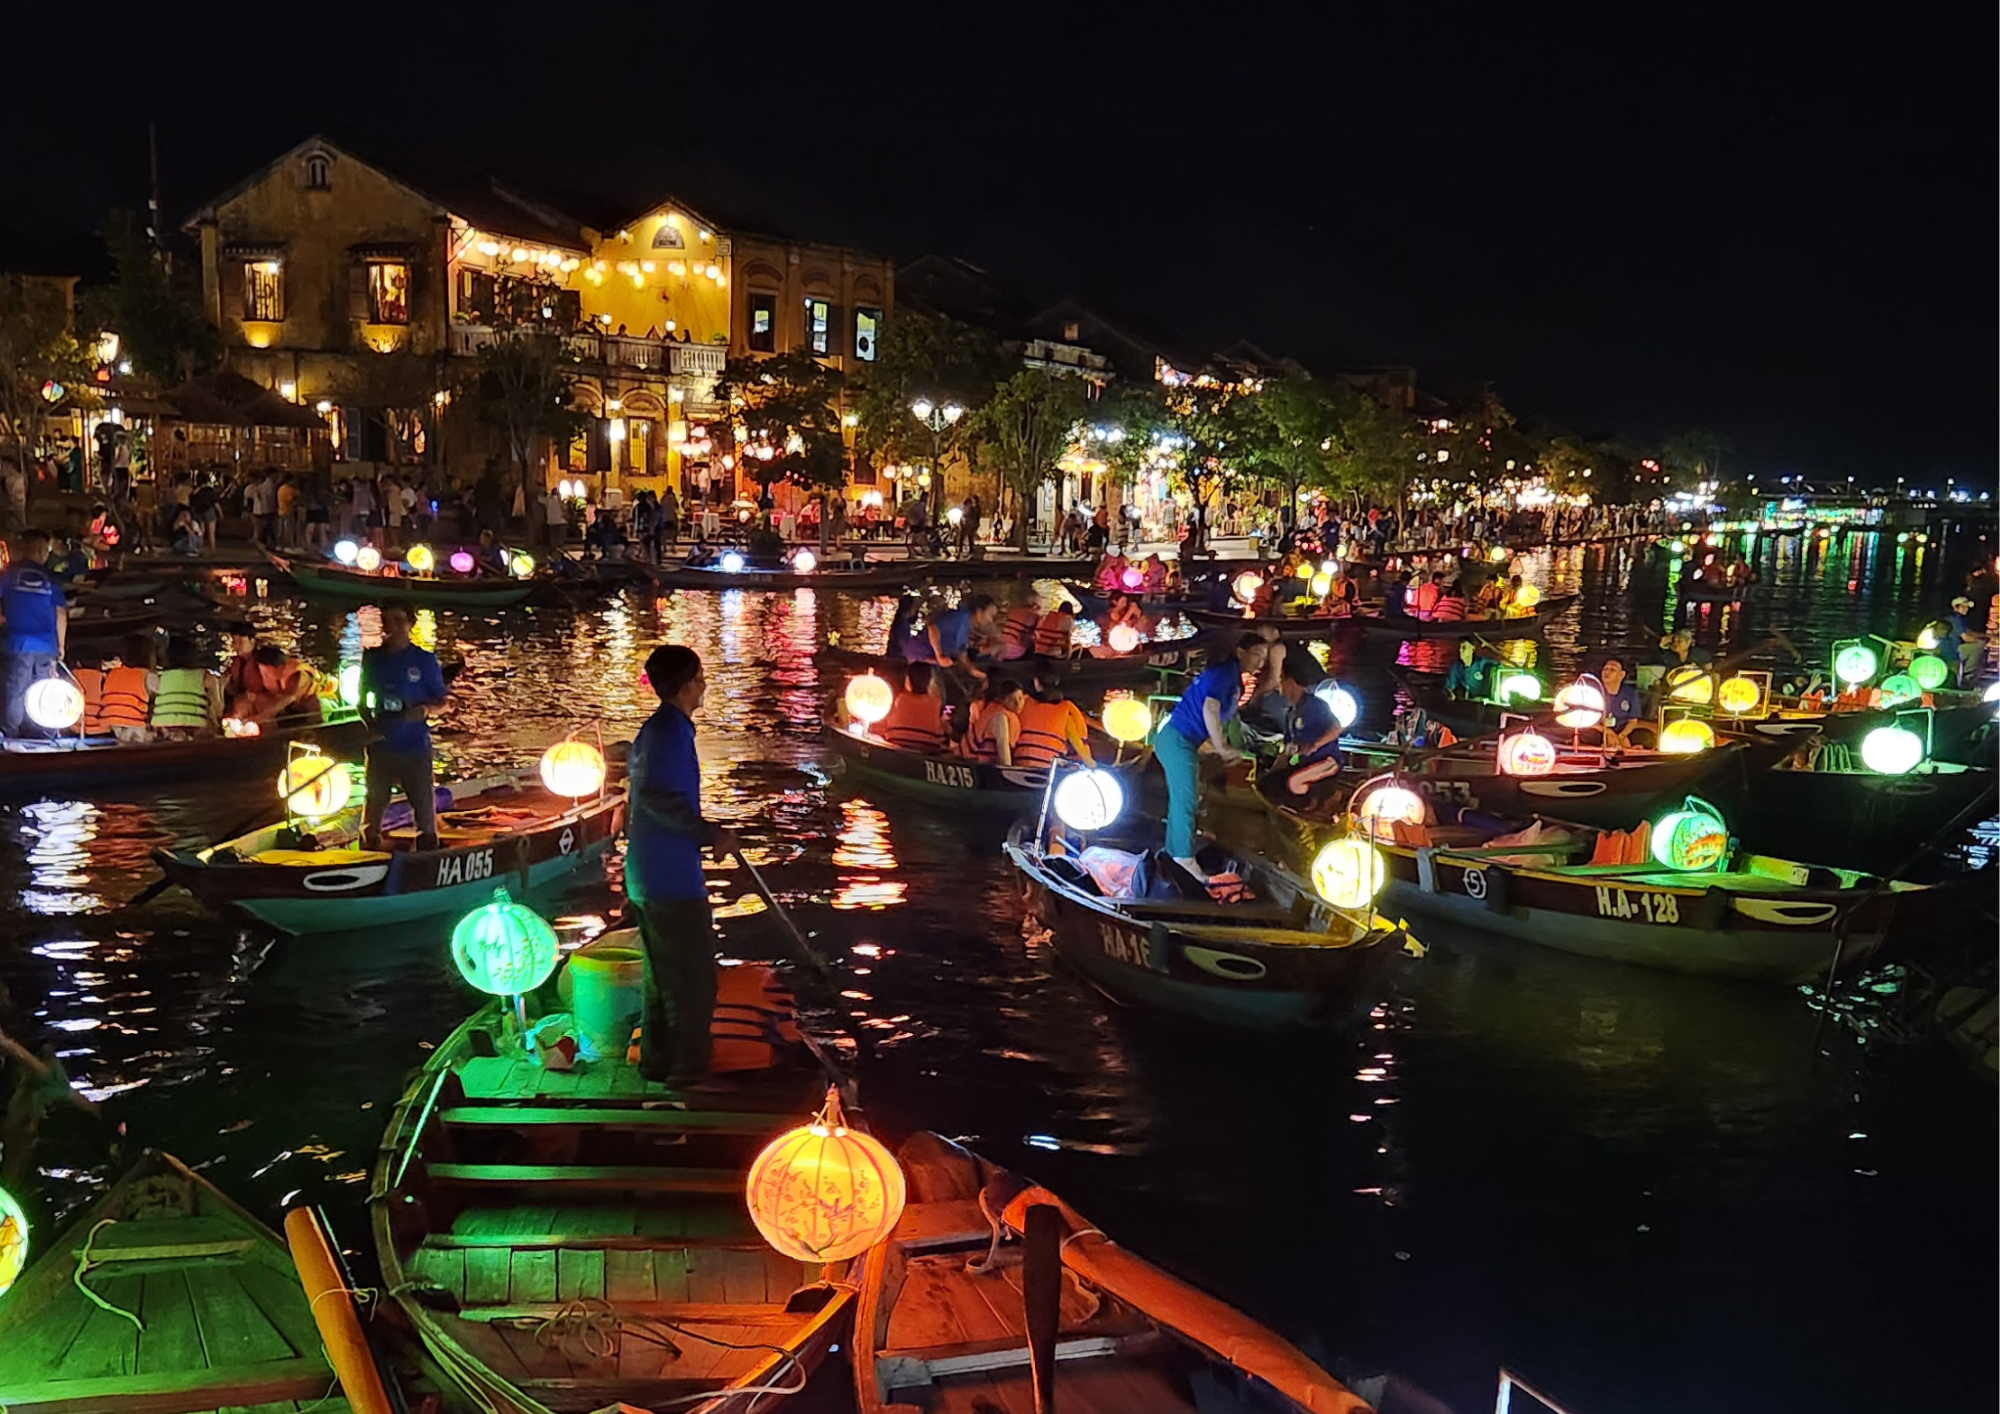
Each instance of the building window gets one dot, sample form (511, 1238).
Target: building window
(867, 330)
(476, 289)
(319, 172)
(1071, 329)
(669, 237)
(388, 292)
(763, 323)
(264, 291)
(819, 326)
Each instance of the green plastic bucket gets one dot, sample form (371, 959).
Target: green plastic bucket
(607, 981)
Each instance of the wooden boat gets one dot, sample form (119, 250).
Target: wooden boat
(863, 574)
(327, 580)
(500, 831)
(1767, 919)
(1283, 959)
(30, 765)
(1373, 621)
(569, 1240)
(226, 1324)
(1854, 818)
(946, 779)
(958, 1315)
(1173, 655)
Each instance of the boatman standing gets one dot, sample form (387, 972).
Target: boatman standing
(400, 684)
(1196, 721)
(665, 834)
(37, 626)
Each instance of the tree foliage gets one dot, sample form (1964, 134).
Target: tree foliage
(927, 356)
(1296, 431)
(159, 324)
(44, 371)
(1026, 426)
(524, 387)
(398, 382)
(1694, 455)
(1201, 435)
(1375, 454)
(788, 408)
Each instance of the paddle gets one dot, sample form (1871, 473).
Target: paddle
(805, 950)
(34, 1066)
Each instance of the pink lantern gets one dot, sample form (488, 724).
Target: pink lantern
(1133, 579)
(461, 561)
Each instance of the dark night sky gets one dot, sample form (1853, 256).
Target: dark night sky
(1775, 222)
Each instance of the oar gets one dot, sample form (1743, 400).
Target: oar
(163, 883)
(805, 950)
(33, 1063)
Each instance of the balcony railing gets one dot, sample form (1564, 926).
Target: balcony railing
(611, 350)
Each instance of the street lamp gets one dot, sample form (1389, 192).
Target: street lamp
(937, 419)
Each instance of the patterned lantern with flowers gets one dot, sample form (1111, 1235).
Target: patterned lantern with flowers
(824, 1192)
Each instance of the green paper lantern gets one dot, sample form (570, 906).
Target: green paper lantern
(1855, 664)
(13, 1240)
(1930, 672)
(1691, 838)
(1899, 688)
(503, 947)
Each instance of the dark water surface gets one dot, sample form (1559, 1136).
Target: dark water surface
(1644, 1192)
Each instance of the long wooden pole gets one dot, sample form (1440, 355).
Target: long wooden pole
(1041, 1298)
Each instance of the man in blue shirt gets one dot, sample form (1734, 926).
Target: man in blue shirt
(1196, 721)
(1621, 703)
(37, 627)
(947, 638)
(1312, 730)
(400, 684)
(1472, 675)
(664, 836)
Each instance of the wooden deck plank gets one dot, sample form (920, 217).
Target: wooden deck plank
(604, 1177)
(670, 1276)
(744, 1275)
(967, 1295)
(234, 1328)
(628, 1276)
(922, 1317)
(533, 1278)
(443, 1268)
(539, 1361)
(488, 1273)
(172, 1338)
(108, 1343)
(579, 1275)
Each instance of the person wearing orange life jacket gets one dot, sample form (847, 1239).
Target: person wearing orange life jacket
(189, 700)
(278, 689)
(916, 717)
(126, 703)
(1052, 728)
(90, 682)
(1017, 631)
(1450, 605)
(1425, 594)
(1058, 619)
(996, 722)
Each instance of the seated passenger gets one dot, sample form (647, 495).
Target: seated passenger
(130, 682)
(1110, 576)
(189, 700)
(1017, 632)
(996, 722)
(916, 718)
(279, 690)
(1052, 728)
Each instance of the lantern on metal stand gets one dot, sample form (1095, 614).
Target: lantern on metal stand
(573, 768)
(1127, 721)
(313, 786)
(505, 949)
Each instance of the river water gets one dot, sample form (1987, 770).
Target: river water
(1641, 1191)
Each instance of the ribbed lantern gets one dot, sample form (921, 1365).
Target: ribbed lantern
(824, 1192)
(1127, 719)
(573, 768)
(869, 698)
(314, 786)
(1527, 753)
(504, 948)
(1348, 873)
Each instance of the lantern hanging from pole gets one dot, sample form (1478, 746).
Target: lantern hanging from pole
(1245, 587)
(824, 1192)
(1691, 683)
(1123, 638)
(573, 768)
(1931, 673)
(1581, 704)
(869, 698)
(1855, 663)
(13, 1240)
(1691, 838)
(1738, 695)
(1127, 719)
(1349, 872)
(1089, 799)
(54, 704)
(1382, 808)
(504, 948)
(1686, 736)
(1342, 703)
(1517, 686)
(314, 786)
(1527, 753)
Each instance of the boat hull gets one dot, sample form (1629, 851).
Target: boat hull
(941, 780)
(70, 763)
(877, 576)
(331, 582)
(1175, 656)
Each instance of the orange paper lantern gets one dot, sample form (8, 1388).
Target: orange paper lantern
(1527, 753)
(824, 1192)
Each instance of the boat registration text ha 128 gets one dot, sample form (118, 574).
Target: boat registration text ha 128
(1653, 908)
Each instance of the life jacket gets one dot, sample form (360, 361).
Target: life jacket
(125, 701)
(1424, 598)
(1449, 609)
(1018, 630)
(915, 723)
(1052, 633)
(979, 738)
(182, 700)
(1110, 574)
(1041, 738)
(90, 682)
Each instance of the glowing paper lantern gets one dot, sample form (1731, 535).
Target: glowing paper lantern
(869, 698)
(350, 684)
(824, 1192)
(504, 948)
(573, 768)
(1738, 695)
(1322, 585)
(1245, 587)
(1348, 873)
(1581, 704)
(346, 551)
(1526, 597)
(1344, 705)
(1892, 751)
(54, 704)
(462, 561)
(1517, 687)
(1132, 579)
(1123, 638)
(1690, 682)
(1899, 688)
(805, 562)
(1930, 673)
(1855, 664)
(1690, 838)
(1089, 799)
(1385, 806)
(1127, 719)
(13, 1240)
(368, 559)
(241, 727)
(522, 564)
(314, 786)
(1992, 693)
(1526, 753)
(1686, 736)
(421, 559)
(731, 562)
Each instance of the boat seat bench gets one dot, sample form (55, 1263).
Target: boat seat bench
(572, 1177)
(614, 1117)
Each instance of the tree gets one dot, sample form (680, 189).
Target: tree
(1375, 454)
(927, 356)
(1200, 434)
(1296, 430)
(524, 387)
(1694, 455)
(787, 408)
(397, 383)
(43, 371)
(159, 325)
(1026, 425)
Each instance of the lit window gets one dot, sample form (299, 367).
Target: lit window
(819, 326)
(388, 292)
(763, 323)
(319, 171)
(264, 290)
(867, 330)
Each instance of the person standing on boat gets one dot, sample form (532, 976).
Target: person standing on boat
(400, 684)
(36, 633)
(665, 834)
(1197, 721)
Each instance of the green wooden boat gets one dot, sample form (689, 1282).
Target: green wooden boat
(164, 1298)
(332, 581)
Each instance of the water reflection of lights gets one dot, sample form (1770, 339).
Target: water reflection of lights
(58, 832)
(863, 838)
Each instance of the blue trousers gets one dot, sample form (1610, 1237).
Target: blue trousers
(1179, 759)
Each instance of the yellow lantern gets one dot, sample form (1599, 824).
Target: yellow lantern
(1127, 719)
(1123, 638)
(824, 1192)
(1690, 682)
(368, 559)
(1384, 807)
(522, 565)
(1738, 695)
(1245, 587)
(1526, 598)
(1527, 753)
(421, 559)
(314, 786)
(869, 698)
(573, 768)
(1322, 585)
(13, 1240)
(1349, 873)
(1686, 736)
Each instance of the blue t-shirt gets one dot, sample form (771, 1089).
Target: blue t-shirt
(29, 597)
(397, 680)
(664, 838)
(1621, 706)
(954, 633)
(1312, 718)
(1221, 681)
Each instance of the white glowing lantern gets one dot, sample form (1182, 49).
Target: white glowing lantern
(54, 704)
(315, 786)
(1386, 806)
(731, 562)
(1345, 706)
(1892, 751)
(1123, 638)
(1581, 704)
(368, 559)
(805, 562)
(346, 551)
(956, 515)
(869, 698)
(1245, 587)
(1089, 799)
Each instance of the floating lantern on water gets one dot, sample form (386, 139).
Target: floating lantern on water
(731, 562)
(1348, 873)
(1344, 705)
(1527, 753)
(346, 551)
(1127, 719)
(573, 768)
(1892, 751)
(1379, 810)
(522, 564)
(1686, 736)
(1245, 586)
(1089, 799)
(504, 948)
(1898, 688)
(462, 561)
(314, 786)
(1930, 672)
(869, 698)
(1517, 687)
(421, 559)
(1123, 638)
(54, 704)
(805, 562)
(1581, 704)
(1321, 585)
(1690, 682)
(368, 559)
(13, 1240)
(824, 1192)
(1690, 838)
(1738, 695)
(1855, 663)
